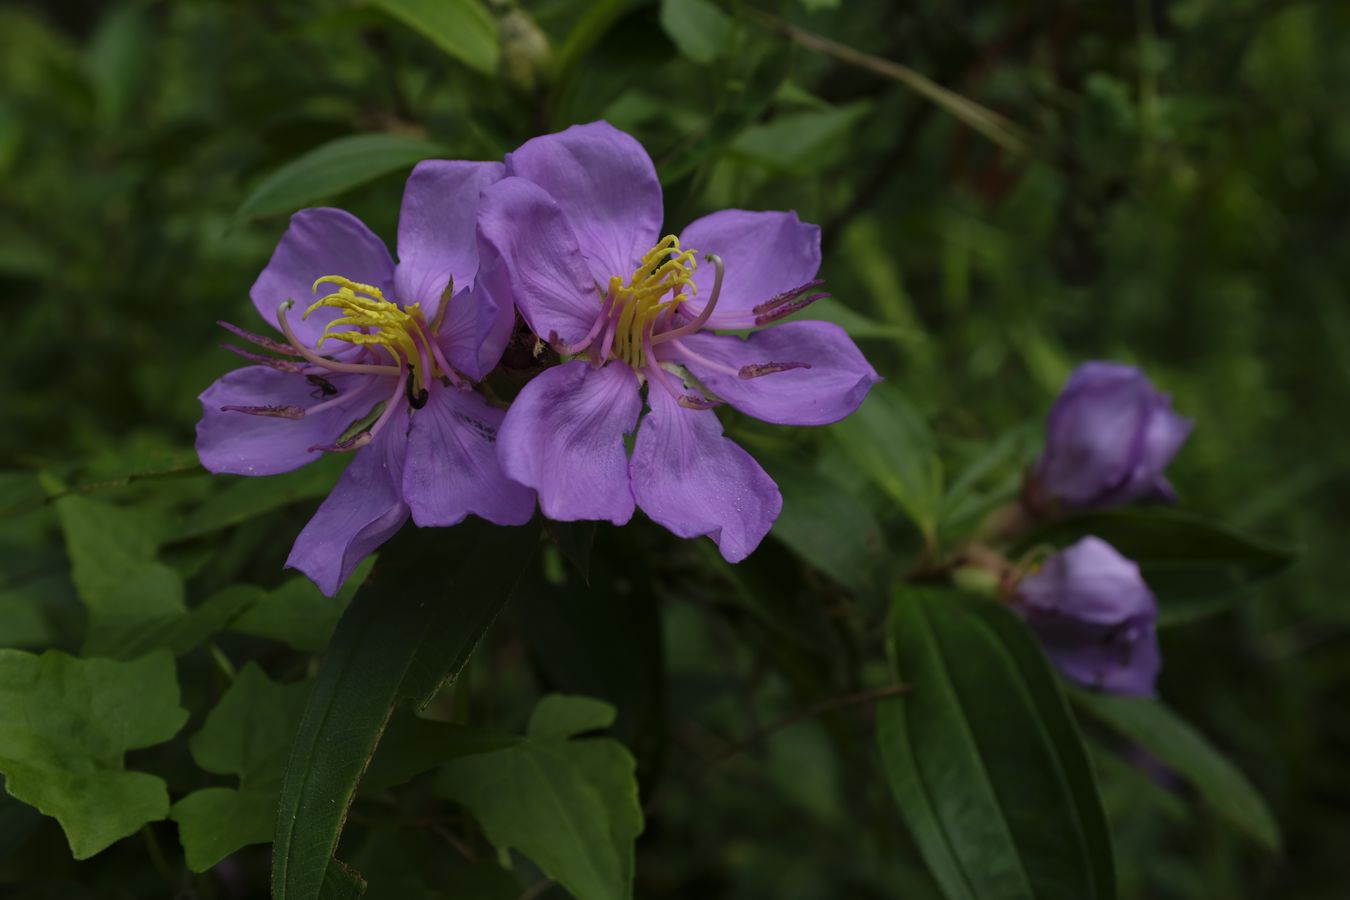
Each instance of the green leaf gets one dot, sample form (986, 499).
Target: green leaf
(411, 627)
(890, 442)
(984, 758)
(119, 61)
(828, 527)
(412, 745)
(742, 103)
(65, 726)
(565, 716)
(132, 599)
(297, 613)
(569, 805)
(697, 28)
(248, 734)
(1171, 739)
(332, 168)
(1193, 567)
(802, 142)
(246, 498)
(462, 28)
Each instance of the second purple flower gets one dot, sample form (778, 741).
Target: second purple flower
(577, 222)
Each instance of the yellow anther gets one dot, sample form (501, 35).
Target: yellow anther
(377, 322)
(666, 269)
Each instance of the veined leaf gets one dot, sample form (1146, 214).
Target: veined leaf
(462, 28)
(984, 758)
(332, 168)
(248, 735)
(569, 805)
(411, 627)
(65, 727)
(1175, 742)
(890, 441)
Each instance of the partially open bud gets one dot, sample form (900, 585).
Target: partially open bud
(1095, 617)
(1109, 438)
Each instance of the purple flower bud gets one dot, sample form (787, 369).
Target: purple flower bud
(1109, 437)
(1095, 617)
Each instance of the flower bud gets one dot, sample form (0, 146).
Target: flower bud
(527, 58)
(1095, 617)
(1109, 437)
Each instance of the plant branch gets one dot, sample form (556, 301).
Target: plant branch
(992, 125)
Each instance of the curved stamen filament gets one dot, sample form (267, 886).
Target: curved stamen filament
(701, 319)
(316, 359)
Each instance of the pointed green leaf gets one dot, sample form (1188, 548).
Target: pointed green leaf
(332, 168)
(697, 28)
(132, 599)
(248, 735)
(1175, 742)
(65, 726)
(570, 805)
(564, 716)
(828, 527)
(298, 614)
(462, 28)
(411, 627)
(890, 442)
(984, 758)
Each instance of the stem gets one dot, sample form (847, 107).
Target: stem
(816, 709)
(992, 125)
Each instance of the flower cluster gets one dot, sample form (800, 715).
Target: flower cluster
(1109, 437)
(381, 358)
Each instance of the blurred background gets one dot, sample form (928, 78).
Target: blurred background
(1155, 182)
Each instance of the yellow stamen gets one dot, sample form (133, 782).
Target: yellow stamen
(665, 269)
(401, 331)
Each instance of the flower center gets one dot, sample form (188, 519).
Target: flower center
(402, 331)
(631, 311)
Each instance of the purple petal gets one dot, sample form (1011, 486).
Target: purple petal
(1095, 616)
(437, 229)
(319, 242)
(452, 469)
(238, 443)
(1122, 659)
(608, 187)
(694, 481)
(479, 321)
(1091, 581)
(363, 511)
(564, 437)
(833, 386)
(764, 254)
(549, 280)
(1094, 433)
(1164, 435)
(1109, 437)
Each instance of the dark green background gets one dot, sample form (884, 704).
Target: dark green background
(1180, 202)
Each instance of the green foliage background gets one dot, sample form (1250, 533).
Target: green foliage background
(1164, 183)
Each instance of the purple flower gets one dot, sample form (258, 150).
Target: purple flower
(1109, 438)
(1095, 617)
(578, 224)
(380, 364)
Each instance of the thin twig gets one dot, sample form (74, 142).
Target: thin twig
(816, 709)
(809, 712)
(996, 127)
